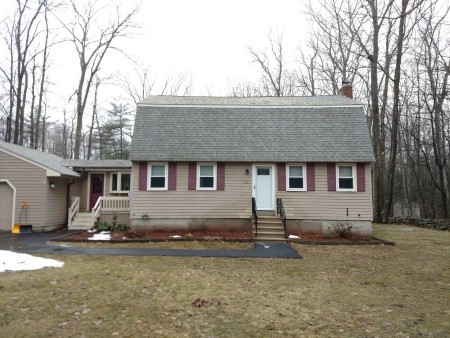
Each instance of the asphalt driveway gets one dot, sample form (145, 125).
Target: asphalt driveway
(40, 243)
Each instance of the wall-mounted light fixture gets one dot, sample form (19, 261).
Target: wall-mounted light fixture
(247, 171)
(52, 185)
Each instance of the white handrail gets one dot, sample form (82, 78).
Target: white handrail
(96, 210)
(73, 210)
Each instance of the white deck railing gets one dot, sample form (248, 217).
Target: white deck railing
(110, 204)
(73, 210)
(119, 204)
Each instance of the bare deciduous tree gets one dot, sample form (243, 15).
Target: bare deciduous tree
(92, 41)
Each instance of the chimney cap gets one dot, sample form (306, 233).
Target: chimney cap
(345, 82)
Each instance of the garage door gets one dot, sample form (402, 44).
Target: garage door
(6, 206)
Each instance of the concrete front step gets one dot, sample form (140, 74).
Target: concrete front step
(270, 238)
(270, 233)
(82, 221)
(84, 215)
(269, 227)
(269, 220)
(266, 213)
(82, 224)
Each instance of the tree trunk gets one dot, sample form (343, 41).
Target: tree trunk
(395, 112)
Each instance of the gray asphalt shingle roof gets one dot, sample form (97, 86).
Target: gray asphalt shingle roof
(97, 163)
(44, 159)
(281, 129)
(331, 100)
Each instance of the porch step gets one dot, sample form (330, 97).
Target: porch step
(270, 228)
(270, 238)
(82, 221)
(266, 213)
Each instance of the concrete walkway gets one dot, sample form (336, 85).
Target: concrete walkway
(40, 243)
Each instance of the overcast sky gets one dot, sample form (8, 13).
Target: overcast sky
(206, 39)
(210, 39)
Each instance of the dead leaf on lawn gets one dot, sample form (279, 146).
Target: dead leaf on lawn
(206, 303)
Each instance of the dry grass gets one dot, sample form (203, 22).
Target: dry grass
(347, 291)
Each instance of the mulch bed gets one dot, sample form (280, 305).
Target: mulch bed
(133, 237)
(130, 237)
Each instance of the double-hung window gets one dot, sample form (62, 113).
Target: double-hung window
(120, 182)
(157, 176)
(346, 177)
(296, 177)
(206, 176)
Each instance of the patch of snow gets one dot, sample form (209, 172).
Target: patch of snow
(13, 261)
(102, 236)
(293, 237)
(175, 236)
(92, 230)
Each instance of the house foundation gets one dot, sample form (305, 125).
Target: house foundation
(191, 224)
(298, 226)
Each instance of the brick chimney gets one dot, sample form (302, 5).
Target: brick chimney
(346, 89)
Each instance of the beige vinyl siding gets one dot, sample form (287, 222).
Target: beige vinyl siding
(84, 193)
(75, 189)
(56, 202)
(322, 204)
(233, 202)
(30, 182)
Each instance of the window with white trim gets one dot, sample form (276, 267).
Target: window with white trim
(345, 177)
(157, 176)
(206, 176)
(296, 177)
(120, 182)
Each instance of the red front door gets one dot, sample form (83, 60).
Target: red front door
(96, 189)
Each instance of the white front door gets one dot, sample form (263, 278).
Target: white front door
(263, 187)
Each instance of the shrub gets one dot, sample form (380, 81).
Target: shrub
(343, 229)
(104, 226)
(121, 227)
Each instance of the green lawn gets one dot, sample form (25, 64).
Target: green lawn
(347, 291)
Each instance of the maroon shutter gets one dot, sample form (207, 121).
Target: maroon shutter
(192, 176)
(220, 176)
(310, 177)
(331, 171)
(143, 168)
(281, 176)
(172, 176)
(360, 177)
